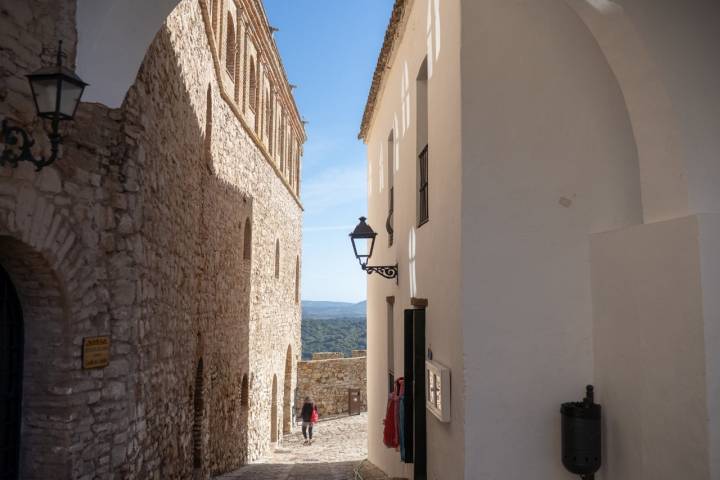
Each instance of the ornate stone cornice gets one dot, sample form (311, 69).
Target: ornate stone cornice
(227, 95)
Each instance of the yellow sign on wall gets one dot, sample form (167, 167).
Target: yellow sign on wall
(96, 352)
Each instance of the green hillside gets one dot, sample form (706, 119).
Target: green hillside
(333, 335)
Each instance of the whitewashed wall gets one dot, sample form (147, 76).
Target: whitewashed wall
(429, 256)
(548, 158)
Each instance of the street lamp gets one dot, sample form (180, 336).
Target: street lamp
(365, 235)
(56, 92)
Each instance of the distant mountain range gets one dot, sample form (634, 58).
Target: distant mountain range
(333, 327)
(329, 310)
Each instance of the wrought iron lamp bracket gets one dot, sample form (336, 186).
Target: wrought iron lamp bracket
(18, 144)
(387, 271)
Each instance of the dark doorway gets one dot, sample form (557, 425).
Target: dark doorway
(11, 367)
(198, 410)
(415, 421)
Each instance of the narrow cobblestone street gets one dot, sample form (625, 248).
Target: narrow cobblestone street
(338, 446)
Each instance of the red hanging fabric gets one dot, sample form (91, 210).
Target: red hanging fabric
(391, 438)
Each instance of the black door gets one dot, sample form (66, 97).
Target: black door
(415, 420)
(11, 355)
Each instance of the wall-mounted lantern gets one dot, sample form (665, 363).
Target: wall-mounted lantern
(56, 92)
(363, 242)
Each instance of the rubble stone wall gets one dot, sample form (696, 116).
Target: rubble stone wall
(138, 232)
(327, 382)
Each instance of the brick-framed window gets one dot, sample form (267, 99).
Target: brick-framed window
(252, 86)
(230, 52)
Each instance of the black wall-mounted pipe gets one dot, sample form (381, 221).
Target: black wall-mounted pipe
(581, 436)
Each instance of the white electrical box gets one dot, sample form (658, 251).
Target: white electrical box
(437, 390)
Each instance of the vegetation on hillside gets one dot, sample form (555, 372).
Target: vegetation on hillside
(333, 335)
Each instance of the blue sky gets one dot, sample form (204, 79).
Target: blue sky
(329, 49)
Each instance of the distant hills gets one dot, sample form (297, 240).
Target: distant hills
(329, 310)
(333, 327)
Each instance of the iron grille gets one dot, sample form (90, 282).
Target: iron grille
(423, 207)
(389, 222)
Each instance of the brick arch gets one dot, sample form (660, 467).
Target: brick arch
(45, 313)
(56, 279)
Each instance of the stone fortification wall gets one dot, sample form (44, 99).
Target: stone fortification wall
(327, 381)
(158, 227)
(327, 355)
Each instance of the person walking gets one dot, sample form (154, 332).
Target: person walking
(309, 417)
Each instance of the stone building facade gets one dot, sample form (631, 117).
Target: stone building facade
(170, 225)
(328, 377)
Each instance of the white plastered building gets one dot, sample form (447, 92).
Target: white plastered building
(573, 192)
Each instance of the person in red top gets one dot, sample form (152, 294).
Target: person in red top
(309, 417)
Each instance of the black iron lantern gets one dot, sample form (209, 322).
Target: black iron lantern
(363, 242)
(56, 92)
(366, 238)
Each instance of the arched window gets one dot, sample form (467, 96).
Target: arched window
(297, 279)
(287, 392)
(269, 119)
(252, 83)
(273, 412)
(208, 128)
(247, 246)
(230, 48)
(214, 14)
(277, 258)
(244, 392)
(281, 143)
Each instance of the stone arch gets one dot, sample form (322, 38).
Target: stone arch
(198, 414)
(230, 52)
(247, 240)
(44, 307)
(274, 437)
(287, 392)
(665, 192)
(277, 258)
(133, 25)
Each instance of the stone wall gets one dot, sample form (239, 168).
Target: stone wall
(139, 232)
(327, 355)
(326, 381)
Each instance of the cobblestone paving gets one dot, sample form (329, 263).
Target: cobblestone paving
(338, 446)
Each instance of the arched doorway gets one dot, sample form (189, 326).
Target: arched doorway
(11, 366)
(273, 412)
(287, 392)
